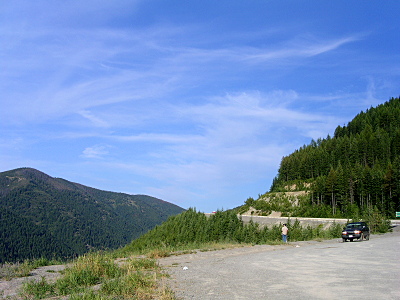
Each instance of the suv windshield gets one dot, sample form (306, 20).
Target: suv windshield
(357, 225)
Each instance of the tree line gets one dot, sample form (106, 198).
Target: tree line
(193, 228)
(356, 170)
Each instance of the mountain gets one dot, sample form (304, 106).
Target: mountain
(42, 216)
(355, 173)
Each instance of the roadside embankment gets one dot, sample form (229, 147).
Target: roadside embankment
(266, 220)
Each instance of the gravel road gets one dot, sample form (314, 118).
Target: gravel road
(303, 270)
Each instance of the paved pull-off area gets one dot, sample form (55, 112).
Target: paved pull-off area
(303, 270)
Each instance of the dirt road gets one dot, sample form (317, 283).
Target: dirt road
(305, 270)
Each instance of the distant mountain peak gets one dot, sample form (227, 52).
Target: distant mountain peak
(45, 216)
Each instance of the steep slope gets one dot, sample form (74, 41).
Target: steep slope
(355, 174)
(355, 171)
(45, 216)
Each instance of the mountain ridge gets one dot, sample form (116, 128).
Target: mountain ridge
(72, 218)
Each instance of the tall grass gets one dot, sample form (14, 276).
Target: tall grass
(192, 230)
(98, 276)
(12, 270)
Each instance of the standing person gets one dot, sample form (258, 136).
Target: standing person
(284, 233)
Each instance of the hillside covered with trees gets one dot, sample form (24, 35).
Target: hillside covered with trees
(353, 173)
(42, 216)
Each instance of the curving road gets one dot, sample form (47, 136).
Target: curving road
(304, 270)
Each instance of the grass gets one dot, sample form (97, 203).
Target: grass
(158, 253)
(221, 246)
(98, 276)
(12, 270)
(127, 274)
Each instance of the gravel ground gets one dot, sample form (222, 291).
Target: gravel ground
(299, 270)
(9, 288)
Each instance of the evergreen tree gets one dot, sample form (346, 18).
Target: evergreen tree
(355, 170)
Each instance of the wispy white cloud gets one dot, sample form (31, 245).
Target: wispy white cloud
(96, 121)
(241, 136)
(158, 138)
(96, 151)
(84, 69)
(297, 49)
(184, 107)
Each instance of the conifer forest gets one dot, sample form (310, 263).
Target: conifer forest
(356, 170)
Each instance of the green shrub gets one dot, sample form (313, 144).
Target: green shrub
(129, 279)
(88, 295)
(376, 221)
(87, 270)
(38, 289)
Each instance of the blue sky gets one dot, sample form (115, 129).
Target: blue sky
(193, 102)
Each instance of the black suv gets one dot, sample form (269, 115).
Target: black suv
(357, 230)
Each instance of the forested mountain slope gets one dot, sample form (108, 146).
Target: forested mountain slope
(356, 170)
(45, 216)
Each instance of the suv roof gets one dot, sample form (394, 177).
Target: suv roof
(355, 224)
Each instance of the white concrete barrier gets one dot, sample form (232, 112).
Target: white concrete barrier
(265, 220)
